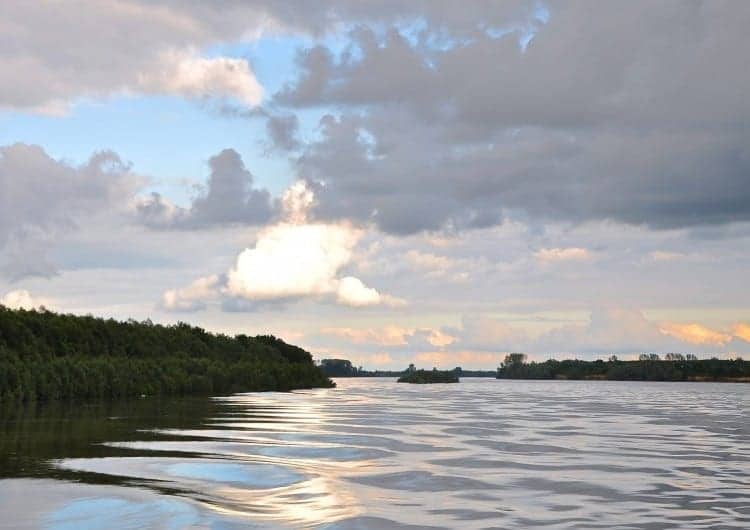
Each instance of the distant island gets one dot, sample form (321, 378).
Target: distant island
(45, 355)
(648, 367)
(422, 377)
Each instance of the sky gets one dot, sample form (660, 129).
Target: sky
(389, 182)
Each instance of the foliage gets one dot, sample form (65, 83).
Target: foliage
(345, 368)
(648, 367)
(429, 376)
(44, 355)
(338, 368)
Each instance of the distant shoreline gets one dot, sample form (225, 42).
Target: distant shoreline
(739, 380)
(650, 367)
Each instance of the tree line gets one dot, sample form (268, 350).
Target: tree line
(648, 367)
(345, 368)
(46, 355)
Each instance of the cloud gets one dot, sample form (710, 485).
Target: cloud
(393, 336)
(741, 331)
(22, 299)
(485, 333)
(548, 255)
(352, 292)
(387, 336)
(694, 333)
(444, 359)
(380, 359)
(291, 260)
(662, 255)
(605, 114)
(608, 114)
(282, 130)
(58, 57)
(42, 199)
(609, 330)
(187, 74)
(228, 198)
(193, 297)
(439, 267)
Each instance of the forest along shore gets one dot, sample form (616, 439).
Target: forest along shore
(45, 355)
(649, 367)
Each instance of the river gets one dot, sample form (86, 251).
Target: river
(374, 454)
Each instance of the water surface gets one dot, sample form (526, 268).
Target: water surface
(374, 454)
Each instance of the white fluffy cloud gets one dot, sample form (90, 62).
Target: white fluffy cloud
(188, 74)
(192, 297)
(292, 259)
(22, 299)
(353, 292)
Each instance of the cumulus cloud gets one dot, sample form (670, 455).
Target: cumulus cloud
(604, 114)
(22, 299)
(352, 292)
(58, 56)
(187, 74)
(42, 198)
(228, 198)
(291, 260)
(607, 114)
(192, 297)
(282, 130)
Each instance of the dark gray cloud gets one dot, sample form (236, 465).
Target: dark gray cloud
(635, 113)
(282, 130)
(228, 198)
(52, 54)
(42, 198)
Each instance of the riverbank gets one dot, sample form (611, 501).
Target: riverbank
(47, 356)
(652, 369)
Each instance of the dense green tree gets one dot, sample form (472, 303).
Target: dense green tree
(338, 368)
(648, 367)
(45, 355)
(429, 376)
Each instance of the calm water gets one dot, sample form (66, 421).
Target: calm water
(375, 454)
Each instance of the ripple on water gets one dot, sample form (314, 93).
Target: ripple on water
(179, 471)
(372, 454)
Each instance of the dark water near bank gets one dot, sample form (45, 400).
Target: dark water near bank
(482, 454)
